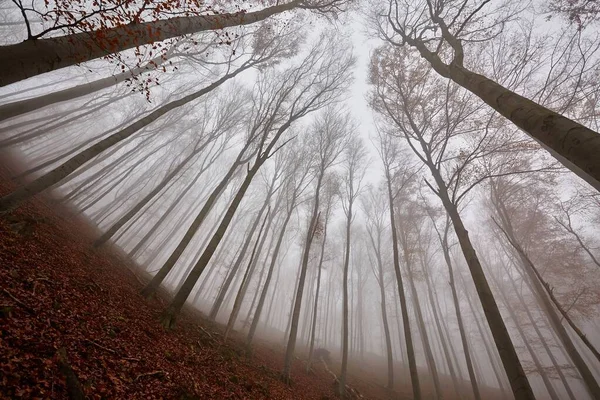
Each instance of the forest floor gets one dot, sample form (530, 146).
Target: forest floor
(59, 293)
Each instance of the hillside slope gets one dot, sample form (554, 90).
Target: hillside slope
(57, 292)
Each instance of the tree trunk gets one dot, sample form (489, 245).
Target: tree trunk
(583, 369)
(12, 200)
(313, 329)
(214, 311)
(193, 228)
(543, 340)
(239, 298)
(297, 303)
(263, 294)
(34, 57)
(461, 327)
(443, 343)
(410, 351)
(20, 107)
(172, 311)
(384, 317)
(142, 203)
(421, 322)
(574, 145)
(536, 361)
(512, 365)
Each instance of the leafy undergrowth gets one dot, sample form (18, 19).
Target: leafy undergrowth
(58, 292)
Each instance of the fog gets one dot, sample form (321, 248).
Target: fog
(340, 181)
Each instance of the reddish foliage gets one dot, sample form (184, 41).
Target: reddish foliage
(58, 292)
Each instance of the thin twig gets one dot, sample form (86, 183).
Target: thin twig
(153, 373)
(19, 302)
(100, 346)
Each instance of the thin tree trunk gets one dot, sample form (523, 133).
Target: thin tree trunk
(547, 348)
(170, 314)
(316, 305)
(436, 319)
(192, 229)
(297, 303)
(532, 352)
(239, 298)
(214, 311)
(410, 351)
(13, 200)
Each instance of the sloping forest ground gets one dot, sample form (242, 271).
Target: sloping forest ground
(58, 292)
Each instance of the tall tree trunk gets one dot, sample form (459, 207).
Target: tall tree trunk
(12, 200)
(164, 216)
(543, 340)
(512, 365)
(583, 369)
(20, 107)
(263, 294)
(239, 298)
(444, 345)
(384, 317)
(33, 57)
(461, 327)
(313, 329)
(214, 311)
(571, 143)
(410, 351)
(485, 337)
(420, 321)
(297, 303)
(532, 352)
(153, 285)
(172, 311)
(143, 202)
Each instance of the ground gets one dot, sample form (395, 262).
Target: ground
(58, 292)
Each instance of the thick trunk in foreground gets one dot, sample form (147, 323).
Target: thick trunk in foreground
(34, 57)
(571, 143)
(13, 200)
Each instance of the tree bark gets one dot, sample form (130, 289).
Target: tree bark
(571, 143)
(34, 57)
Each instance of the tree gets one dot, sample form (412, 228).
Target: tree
(354, 172)
(374, 206)
(428, 113)
(326, 140)
(38, 55)
(438, 30)
(271, 49)
(279, 101)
